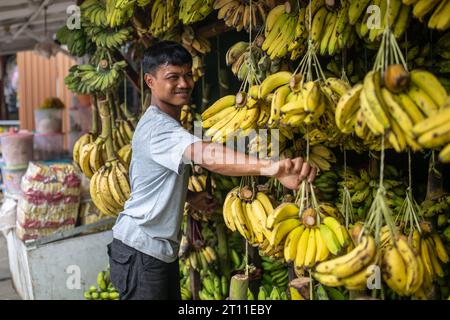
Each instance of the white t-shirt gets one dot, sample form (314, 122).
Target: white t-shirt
(151, 220)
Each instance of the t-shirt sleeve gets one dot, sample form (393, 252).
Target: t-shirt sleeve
(169, 140)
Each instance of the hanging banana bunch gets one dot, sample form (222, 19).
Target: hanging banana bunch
(281, 30)
(186, 117)
(109, 185)
(94, 12)
(436, 11)
(242, 60)
(119, 12)
(164, 16)
(96, 79)
(330, 30)
(397, 16)
(193, 42)
(108, 37)
(242, 14)
(192, 11)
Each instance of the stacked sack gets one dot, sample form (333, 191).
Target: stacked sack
(49, 202)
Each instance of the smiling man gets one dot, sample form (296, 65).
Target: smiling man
(143, 254)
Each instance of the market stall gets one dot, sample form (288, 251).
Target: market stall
(357, 88)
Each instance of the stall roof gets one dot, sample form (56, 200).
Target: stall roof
(22, 22)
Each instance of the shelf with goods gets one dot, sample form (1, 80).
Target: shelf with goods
(361, 103)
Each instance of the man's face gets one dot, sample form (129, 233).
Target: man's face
(171, 84)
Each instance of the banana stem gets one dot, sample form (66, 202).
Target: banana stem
(239, 287)
(94, 108)
(105, 117)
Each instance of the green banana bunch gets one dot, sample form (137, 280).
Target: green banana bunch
(94, 11)
(192, 11)
(104, 289)
(214, 287)
(185, 281)
(108, 37)
(326, 183)
(275, 274)
(77, 41)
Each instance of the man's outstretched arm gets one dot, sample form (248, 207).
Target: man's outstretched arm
(220, 159)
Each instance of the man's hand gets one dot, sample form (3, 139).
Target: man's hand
(202, 202)
(291, 172)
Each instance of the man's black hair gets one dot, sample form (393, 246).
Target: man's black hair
(165, 53)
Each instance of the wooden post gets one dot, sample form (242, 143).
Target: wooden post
(239, 287)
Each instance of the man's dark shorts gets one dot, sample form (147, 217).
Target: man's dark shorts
(138, 276)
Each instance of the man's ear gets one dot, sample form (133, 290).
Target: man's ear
(149, 80)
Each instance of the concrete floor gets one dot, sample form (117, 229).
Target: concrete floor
(7, 291)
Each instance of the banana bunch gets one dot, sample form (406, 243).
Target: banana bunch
(213, 286)
(432, 132)
(73, 80)
(350, 270)
(330, 30)
(309, 243)
(192, 11)
(108, 37)
(104, 289)
(185, 281)
(270, 146)
(362, 189)
(88, 78)
(124, 154)
(275, 274)
(327, 185)
(247, 214)
(92, 156)
(197, 183)
(392, 108)
(94, 11)
(236, 261)
(198, 68)
(123, 131)
(397, 14)
(280, 31)
(438, 9)
(164, 16)
(202, 259)
(275, 294)
(85, 139)
(76, 41)
(110, 188)
(442, 49)
(435, 207)
(300, 102)
(193, 42)
(240, 15)
(225, 118)
(243, 61)
(186, 117)
(119, 12)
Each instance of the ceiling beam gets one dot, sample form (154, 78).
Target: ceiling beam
(33, 17)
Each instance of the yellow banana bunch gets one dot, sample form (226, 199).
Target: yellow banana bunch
(330, 30)
(280, 31)
(350, 270)
(397, 14)
(229, 116)
(248, 214)
(193, 42)
(85, 139)
(122, 133)
(321, 157)
(240, 14)
(401, 266)
(118, 13)
(432, 132)
(110, 188)
(125, 155)
(202, 259)
(192, 11)
(164, 16)
(186, 118)
(439, 11)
